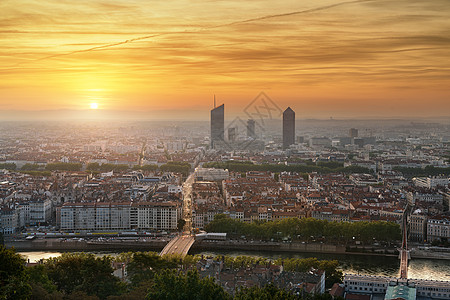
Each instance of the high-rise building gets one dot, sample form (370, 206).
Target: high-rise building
(232, 134)
(251, 128)
(353, 132)
(217, 125)
(288, 128)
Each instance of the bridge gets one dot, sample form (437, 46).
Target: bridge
(182, 243)
(179, 245)
(404, 252)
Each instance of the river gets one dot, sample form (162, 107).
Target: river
(432, 269)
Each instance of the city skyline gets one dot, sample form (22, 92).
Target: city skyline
(351, 59)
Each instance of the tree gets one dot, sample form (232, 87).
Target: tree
(72, 272)
(180, 224)
(40, 282)
(269, 292)
(95, 166)
(172, 285)
(31, 167)
(144, 265)
(8, 166)
(13, 278)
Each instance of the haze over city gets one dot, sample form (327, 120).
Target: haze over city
(341, 59)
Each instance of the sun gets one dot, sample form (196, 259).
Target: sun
(94, 105)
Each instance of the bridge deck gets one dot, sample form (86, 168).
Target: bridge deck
(179, 245)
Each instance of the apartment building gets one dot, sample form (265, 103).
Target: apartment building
(119, 216)
(438, 228)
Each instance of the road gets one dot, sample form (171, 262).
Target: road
(179, 245)
(183, 242)
(187, 202)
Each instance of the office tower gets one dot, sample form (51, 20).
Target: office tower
(232, 134)
(353, 132)
(217, 125)
(288, 128)
(251, 128)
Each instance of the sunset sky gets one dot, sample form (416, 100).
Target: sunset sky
(168, 58)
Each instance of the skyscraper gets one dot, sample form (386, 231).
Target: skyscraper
(251, 128)
(232, 134)
(217, 125)
(353, 132)
(288, 128)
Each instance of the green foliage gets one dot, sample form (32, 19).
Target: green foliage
(332, 274)
(325, 167)
(180, 224)
(13, 278)
(276, 177)
(269, 292)
(73, 272)
(8, 166)
(146, 168)
(330, 164)
(113, 167)
(139, 292)
(86, 276)
(304, 229)
(37, 173)
(172, 285)
(427, 171)
(38, 276)
(144, 265)
(60, 166)
(31, 167)
(95, 166)
(176, 167)
(242, 261)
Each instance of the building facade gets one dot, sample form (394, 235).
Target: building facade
(120, 216)
(288, 128)
(251, 133)
(217, 126)
(438, 228)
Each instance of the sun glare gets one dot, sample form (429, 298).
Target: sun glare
(94, 105)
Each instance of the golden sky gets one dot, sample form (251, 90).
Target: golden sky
(323, 57)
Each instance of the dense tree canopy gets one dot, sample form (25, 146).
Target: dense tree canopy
(332, 167)
(144, 265)
(8, 166)
(307, 229)
(86, 276)
(13, 277)
(177, 167)
(427, 171)
(173, 285)
(31, 167)
(83, 272)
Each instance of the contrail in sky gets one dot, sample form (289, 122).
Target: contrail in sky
(204, 28)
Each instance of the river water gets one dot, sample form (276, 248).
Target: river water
(432, 269)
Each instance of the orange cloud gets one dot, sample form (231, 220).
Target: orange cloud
(341, 58)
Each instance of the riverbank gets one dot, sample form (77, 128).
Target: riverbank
(54, 244)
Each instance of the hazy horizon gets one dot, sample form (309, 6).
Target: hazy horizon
(180, 116)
